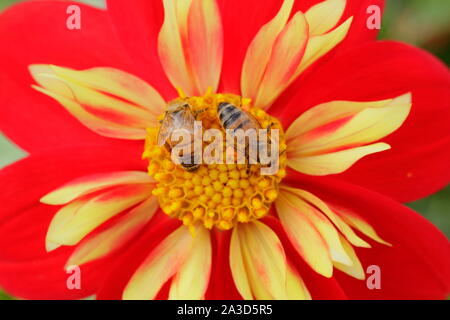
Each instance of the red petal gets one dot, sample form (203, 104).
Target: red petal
(320, 287)
(417, 266)
(36, 32)
(137, 24)
(419, 162)
(26, 269)
(241, 22)
(26, 181)
(221, 284)
(359, 33)
(34, 273)
(120, 272)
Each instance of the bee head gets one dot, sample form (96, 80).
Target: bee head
(222, 105)
(177, 105)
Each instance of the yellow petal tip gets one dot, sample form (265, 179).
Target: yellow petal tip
(50, 246)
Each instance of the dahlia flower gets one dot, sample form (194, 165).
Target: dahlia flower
(364, 123)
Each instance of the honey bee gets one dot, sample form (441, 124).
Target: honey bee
(179, 115)
(234, 118)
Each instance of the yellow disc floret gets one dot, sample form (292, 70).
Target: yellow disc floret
(216, 195)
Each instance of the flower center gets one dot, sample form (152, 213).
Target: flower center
(219, 194)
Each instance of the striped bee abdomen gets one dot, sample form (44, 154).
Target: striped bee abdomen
(234, 118)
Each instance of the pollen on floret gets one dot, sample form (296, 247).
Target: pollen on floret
(215, 195)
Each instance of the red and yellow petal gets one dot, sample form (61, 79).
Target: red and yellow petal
(307, 240)
(319, 235)
(192, 279)
(241, 22)
(320, 45)
(335, 162)
(311, 233)
(205, 37)
(260, 50)
(180, 256)
(28, 117)
(418, 162)
(357, 222)
(259, 266)
(19, 278)
(190, 45)
(92, 183)
(42, 173)
(331, 137)
(137, 24)
(353, 269)
(270, 47)
(170, 46)
(113, 238)
(25, 221)
(417, 250)
(287, 53)
(295, 286)
(331, 9)
(330, 214)
(75, 220)
(324, 32)
(319, 287)
(358, 32)
(221, 285)
(121, 271)
(110, 102)
(234, 12)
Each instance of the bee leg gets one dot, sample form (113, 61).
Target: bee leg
(167, 146)
(196, 113)
(269, 127)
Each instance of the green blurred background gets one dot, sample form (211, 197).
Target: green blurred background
(424, 23)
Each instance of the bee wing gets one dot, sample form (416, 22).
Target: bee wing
(252, 119)
(185, 120)
(247, 121)
(172, 121)
(165, 130)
